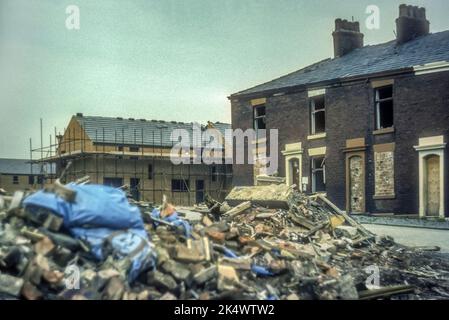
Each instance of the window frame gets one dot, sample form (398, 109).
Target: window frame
(31, 179)
(377, 103)
(262, 117)
(314, 111)
(15, 179)
(313, 169)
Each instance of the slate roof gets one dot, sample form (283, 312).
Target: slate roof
(109, 130)
(22, 167)
(365, 61)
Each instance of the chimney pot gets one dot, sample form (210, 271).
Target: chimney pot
(411, 24)
(347, 37)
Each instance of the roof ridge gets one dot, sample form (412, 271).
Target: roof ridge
(14, 159)
(131, 119)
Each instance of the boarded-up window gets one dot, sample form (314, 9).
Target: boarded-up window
(384, 172)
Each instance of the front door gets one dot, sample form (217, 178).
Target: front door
(356, 184)
(433, 185)
(294, 163)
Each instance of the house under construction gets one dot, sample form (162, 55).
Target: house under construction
(136, 153)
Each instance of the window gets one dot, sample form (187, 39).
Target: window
(15, 179)
(120, 148)
(318, 174)
(133, 149)
(150, 171)
(179, 185)
(40, 179)
(113, 182)
(259, 117)
(384, 107)
(317, 115)
(214, 173)
(30, 180)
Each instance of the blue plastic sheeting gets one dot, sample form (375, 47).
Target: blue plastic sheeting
(174, 219)
(258, 270)
(96, 215)
(229, 253)
(261, 271)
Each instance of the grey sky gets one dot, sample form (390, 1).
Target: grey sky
(165, 59)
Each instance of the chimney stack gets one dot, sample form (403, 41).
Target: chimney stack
(411, 24)
(347, 37)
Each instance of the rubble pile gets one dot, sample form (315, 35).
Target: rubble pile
(266, 242)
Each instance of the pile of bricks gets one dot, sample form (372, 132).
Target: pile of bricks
(294, 247)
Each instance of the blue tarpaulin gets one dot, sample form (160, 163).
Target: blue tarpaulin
(101, 213)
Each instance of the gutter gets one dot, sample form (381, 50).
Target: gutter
(328, 83)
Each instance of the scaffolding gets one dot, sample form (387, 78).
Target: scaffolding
(147, 167)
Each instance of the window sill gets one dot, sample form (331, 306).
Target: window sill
(384, 131)
(317, 136)
(385, 197)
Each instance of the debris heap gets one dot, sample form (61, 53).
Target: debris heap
(265, 242)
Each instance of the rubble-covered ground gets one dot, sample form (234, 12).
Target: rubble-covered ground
(273, 243)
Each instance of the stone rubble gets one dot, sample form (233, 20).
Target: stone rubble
(296, 247)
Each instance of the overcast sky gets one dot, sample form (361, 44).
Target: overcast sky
(160, 59)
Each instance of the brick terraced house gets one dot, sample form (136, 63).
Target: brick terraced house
(369, 127)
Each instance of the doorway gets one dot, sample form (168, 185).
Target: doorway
(356, 185)
(134, 188)
(432, 188)
(355, 178)
(294, 171)
(199, 187)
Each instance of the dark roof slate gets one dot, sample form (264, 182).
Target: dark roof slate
(365, 61)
